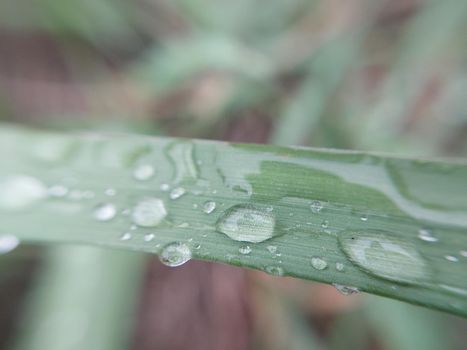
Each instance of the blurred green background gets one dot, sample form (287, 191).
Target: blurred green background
(375, 75)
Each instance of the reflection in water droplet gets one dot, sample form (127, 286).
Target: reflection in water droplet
(247, 223)
(209, 207)
(316, 206)
(19, 192)
(177, 193)
(318, 263)
(175, 254)
(8, 243)
(340, 266)
(451, 258)
(245, 250)
(346, 290)
(105, 212)
(426, 235)
(274, 270)
(149, 212)
(57, 191)
(126, 236)
(389, 258)
(149, 237)
(143, 172)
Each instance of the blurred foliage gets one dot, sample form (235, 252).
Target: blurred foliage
(374, 75)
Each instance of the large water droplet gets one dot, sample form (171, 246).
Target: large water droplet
(175, 254)
(105, 212)
(209, 207)
(8, 243)
(316, 206)
(346, 290)
(149, 212)
(19, 192)
(426, 235)
(389, 258)
(247, 223)
(143, 172)
(318, 263)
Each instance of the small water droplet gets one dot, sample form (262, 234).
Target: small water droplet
(364, 218)
(165, 187)
(19, 192)
(346, 290)
(244, 249)
(274, 270)
(316, 206)
(149, 212)
(247, 223)
(464, 253)
(340, 267)
(377, 253)
(272, 249)
(426, 235)
(175, 254)
(209, 207)
(110, 192)
(133, 227)
(197, 246)
(451, 258)
(105, 212)
(143, 172)
(126, 236)
(177, 192)
(318, 263)
(57, 191)
(149, 237)
(325, 224)
(8, 243)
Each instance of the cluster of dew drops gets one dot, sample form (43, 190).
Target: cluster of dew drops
(243, 223)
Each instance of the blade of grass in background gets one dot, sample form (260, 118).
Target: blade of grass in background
(387, 226)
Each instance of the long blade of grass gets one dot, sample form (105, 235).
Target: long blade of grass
(388, 226)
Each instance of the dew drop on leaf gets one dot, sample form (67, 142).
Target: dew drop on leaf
(177, 193)
(209, 207)
(247, 223)
(149, 212)
(245, 250)
(149, 237)
(346, 290)
(175, 254)
(105, 212)
(318, 263)
(316, 206)
(143, 172)
(426, 235)
(340, 267)
(377, 253)
(126, 236)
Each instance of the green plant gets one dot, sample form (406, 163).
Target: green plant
(368, 222)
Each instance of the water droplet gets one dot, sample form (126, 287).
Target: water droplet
(8, 243)
(274, 270)
(177, 193)
(463, 253)
(165, 187)
(126, 236)
(363, 218)
(316, 206)
(244, 249)
(340, 266)
(197, 246)
(209, 207)
(247, 223)
(149, 237)
(175, 254)
(318, 263)
(143, 172)
(57, 191)
(105, 212)
(451, 258)
(346, 290)
(110, 192)
(325, 224)
(19, 192)
(181, 154)
(389, 258)
(149, 212)
(272, 249)
(426, 235)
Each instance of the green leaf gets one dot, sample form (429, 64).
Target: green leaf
(347, 218)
